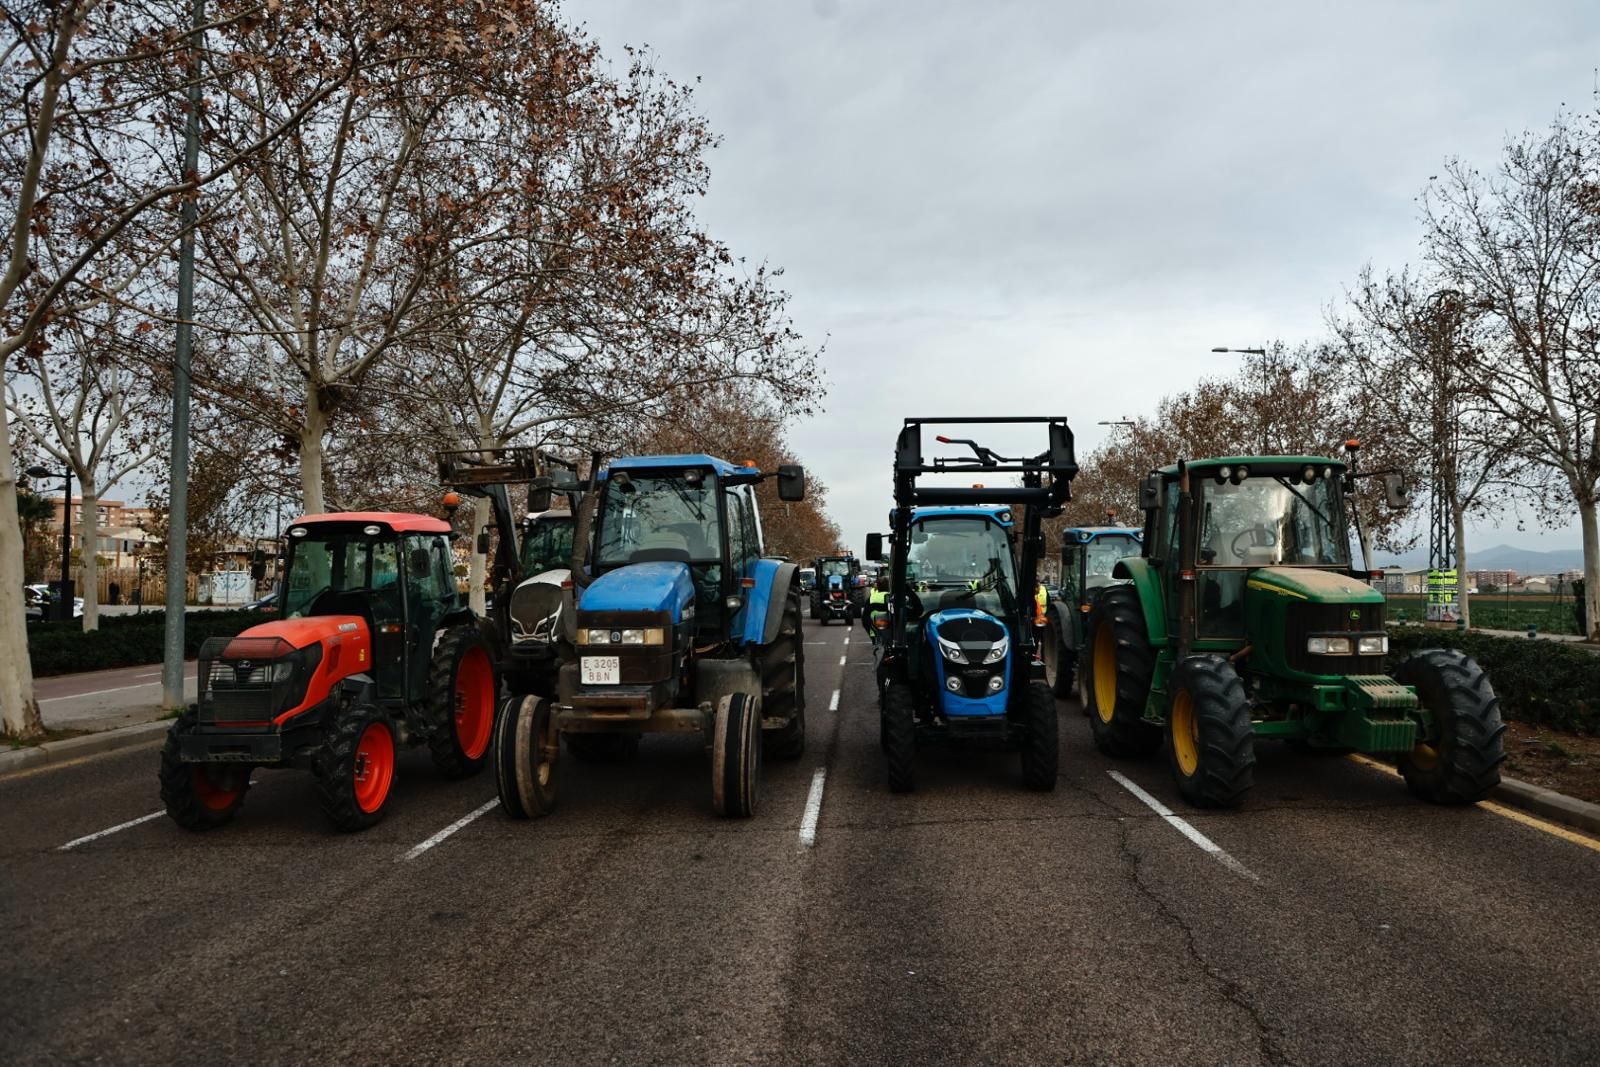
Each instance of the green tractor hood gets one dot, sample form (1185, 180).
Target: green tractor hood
(1313, 586)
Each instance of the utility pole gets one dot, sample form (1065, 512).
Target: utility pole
(1265, 385)
(178, 517)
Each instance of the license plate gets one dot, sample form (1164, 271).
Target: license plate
(601, 670)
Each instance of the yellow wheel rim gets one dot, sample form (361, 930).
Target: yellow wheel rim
(1105, 673)
(1185, 728)
(1424, 756)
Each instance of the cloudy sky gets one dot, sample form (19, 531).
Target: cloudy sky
(1040, 207)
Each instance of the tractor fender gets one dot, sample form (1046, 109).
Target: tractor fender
(1147, 583)
(359, 689)
(763, 612)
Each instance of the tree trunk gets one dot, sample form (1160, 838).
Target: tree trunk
(89, 538)
(19, 711)
(477, 562)
(312, 429)
(1591, 567)
(1459, 517)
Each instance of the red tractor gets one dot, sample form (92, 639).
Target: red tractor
(374, 650)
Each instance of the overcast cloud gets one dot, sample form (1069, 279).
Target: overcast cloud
(1052, 208)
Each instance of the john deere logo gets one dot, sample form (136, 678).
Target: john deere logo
(1355, 613)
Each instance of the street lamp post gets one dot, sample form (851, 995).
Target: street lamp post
(1262, 352)
(64, 607)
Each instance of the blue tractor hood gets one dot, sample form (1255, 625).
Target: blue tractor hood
(655, 586)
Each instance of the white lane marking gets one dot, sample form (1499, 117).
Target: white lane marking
(452, 828)
(1205, 843)
(808, 821)
(103, 692)
(847, 639)
(833, 705)
(816, 642)
(843, 660)
(111, 830)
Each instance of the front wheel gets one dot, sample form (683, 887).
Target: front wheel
(900, 737)
(736, 756)
(1041, 747)
(1458, 760)
(199, 796)
(356, 769)
(1210, 740)
(783, 670)
(527, 757)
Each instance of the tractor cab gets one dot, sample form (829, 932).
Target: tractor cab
(546, 541)
(1089, 557)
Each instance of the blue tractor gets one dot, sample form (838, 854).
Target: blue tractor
(1089, 554)
(960, 660)
(678, 624)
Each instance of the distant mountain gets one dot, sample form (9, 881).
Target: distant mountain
(1524, 561)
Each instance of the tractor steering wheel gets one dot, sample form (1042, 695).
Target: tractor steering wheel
(1255, 537)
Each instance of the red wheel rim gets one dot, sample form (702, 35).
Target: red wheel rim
(474, 703)
(213, 796)
(374, 766)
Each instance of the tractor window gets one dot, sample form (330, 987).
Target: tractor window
(740, 550)
(1221, 611)
(1272, 521)
(752, 521)
(1103, 554)
(838, 567)
(1071, 588)
(658, 517)
(547, 544)
(963, 563)
(324, 566)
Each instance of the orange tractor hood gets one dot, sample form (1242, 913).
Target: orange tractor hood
(303, 633)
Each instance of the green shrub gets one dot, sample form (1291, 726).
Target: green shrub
(126, 640)
(1545, 682)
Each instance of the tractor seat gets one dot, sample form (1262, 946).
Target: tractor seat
(693, 537)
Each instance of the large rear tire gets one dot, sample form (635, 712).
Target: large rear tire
(1121, 664)
(355, 771)
(1458, 762)
(1052, 655)
(527, 758)
(900, 737)
(200, 796)
(783, 676)
(736, 756)
(461, 697)
(1041, 744)
(1210, 741)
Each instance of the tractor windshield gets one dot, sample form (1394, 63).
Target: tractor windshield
(839, 567)
(1102, 556)
(959, 562)
(647, 517)
(325, 566)
(547, 544)
(1273, 521)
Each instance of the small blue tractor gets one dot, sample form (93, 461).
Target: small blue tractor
(678, 624)
(835, 596)
(1088, 556)
(959, 660)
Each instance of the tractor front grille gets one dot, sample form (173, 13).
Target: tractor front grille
(1307, 620)
(250, 680)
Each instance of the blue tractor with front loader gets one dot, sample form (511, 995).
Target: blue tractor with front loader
(959, 660)
(676, 623)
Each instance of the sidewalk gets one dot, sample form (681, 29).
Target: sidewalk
(105, 700)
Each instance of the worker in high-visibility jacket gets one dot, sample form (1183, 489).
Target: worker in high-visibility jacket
(877, 606)
(1041, 606)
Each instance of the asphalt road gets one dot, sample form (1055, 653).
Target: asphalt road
(1335, 921)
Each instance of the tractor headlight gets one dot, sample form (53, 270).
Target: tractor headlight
(281, 671)
(1376, 645)
(998, 650)
(952, 651)
(1328, 646)
(996, 684)
(953, 684)
(650, 636)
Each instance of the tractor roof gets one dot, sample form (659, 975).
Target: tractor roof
(679, 461)
(996, 513)
(1268, 462)
(397, 521)
(1090, 533)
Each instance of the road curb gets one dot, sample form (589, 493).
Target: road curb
(1547, 803)
(22, 759)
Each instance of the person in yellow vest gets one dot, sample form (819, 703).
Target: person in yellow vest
(877, 604)
(1041, 605)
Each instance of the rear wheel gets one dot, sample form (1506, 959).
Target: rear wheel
(783, 676)
(527, 758)
(1041, 746)
(900, 737)
(1121, 663)
(462, 698)
(1458, 760)
(200, 796)
(736, 756)
(1210, 741)
(356, 769)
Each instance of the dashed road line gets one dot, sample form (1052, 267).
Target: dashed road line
(843, 660)
(452, 828)
(808, 821)
(833, 705)
(84, 840)
(1205, 843)
(1498, 809)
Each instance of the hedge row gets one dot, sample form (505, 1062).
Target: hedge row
(126, 640)
(1547, 682)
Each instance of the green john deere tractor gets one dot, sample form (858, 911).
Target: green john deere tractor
(1243, 618)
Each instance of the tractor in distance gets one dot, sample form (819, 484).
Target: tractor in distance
(678, 624)
(1089, 555)
(1244, 619)
(834, 596)
(958, 660)
(531, 560)
(373, 651)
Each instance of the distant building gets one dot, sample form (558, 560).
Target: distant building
(1498, 579)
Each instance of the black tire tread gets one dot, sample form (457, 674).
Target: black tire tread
(1128, 733)
(443, 745)
(1041, 746)
(1455, 688)
(1227, 738)
(183, 804)
(783, 670)
(334, 771)
(900, 737)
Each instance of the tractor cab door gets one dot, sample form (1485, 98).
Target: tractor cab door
(430, 595)
(1072, 574)
(386, 602)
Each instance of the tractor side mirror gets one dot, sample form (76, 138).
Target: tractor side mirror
(875, 547)
(539, 491)
(1396, 493)
(1150, 492)
(258, 565)
(791, 481)
(483, 543)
